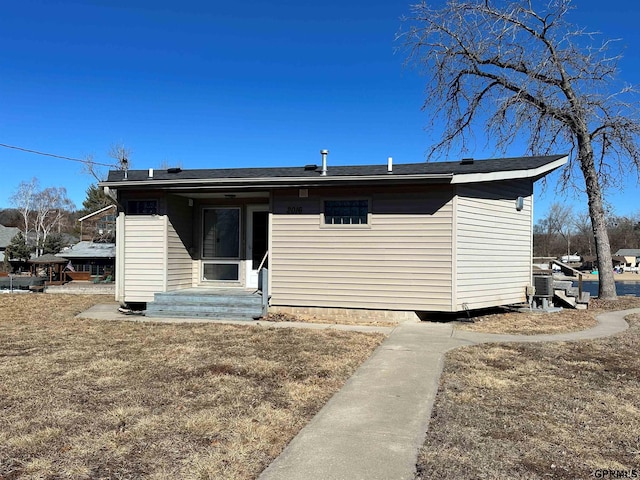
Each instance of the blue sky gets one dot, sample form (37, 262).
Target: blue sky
(227, 84)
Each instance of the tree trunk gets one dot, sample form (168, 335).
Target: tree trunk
(607, 284)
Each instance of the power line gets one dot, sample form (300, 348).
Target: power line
(87, 162)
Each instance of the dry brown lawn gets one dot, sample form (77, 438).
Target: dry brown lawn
(524, 323)
(85, 399)
(549, 410)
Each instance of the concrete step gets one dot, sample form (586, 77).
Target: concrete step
(237, 305)
(586, 296)
(194, 299)
(244, 316)
(564, 299)
(572, 291)
(562, 284)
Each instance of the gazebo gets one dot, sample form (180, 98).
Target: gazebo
(51, 261)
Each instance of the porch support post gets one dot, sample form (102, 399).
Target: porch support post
(264, 290)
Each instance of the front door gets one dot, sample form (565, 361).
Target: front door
(257, 241)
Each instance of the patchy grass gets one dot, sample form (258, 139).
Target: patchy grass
(524, 323)
(86, 399)
(290, 317)
(548, 410)
(567, 320)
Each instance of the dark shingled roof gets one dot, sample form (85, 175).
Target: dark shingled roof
(7, 234)
(48, 258)
(336, 171)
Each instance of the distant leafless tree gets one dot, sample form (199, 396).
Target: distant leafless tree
(520, 70)
(584, 233)
(119, 152)
(166, 164)
(558, 221)
(23, 200)
(51, 207)
(43, 211)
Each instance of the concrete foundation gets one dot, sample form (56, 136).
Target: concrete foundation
(346, 315)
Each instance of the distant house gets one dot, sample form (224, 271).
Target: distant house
(631, 258)
(99, 225)
(6, 235)
(89, 260)
(444, 236)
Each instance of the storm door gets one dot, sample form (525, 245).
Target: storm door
(257, 241)
(221, 244)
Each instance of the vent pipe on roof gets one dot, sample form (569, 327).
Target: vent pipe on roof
(324, 154)
(389, 165)
(151, 173)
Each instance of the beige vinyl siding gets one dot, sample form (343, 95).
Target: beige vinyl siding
(493, 244)
(179, 263)
(179, 241)
(400, 261)
(144, 257)
(120, 226)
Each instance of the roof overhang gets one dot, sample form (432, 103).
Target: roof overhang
(277, 182)
(534, 173)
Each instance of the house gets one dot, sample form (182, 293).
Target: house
(6, 235)
(99, 225)
(403, 238)
(631, 258)
(90, 260)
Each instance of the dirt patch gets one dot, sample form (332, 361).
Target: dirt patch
(87, 399)
(549, 410)
(525, 323)
(289, 317)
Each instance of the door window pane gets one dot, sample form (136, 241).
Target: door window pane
(220, 271)
(221, 233)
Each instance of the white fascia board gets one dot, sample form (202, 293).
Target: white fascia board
(104, 209)
(272, 181)
(509, 174)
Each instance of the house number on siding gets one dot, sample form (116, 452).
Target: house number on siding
(294, 210)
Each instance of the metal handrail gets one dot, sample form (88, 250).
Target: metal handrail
(264, 259)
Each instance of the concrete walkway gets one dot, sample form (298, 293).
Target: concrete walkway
(374, 426)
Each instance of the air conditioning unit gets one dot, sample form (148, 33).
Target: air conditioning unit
(543, 285)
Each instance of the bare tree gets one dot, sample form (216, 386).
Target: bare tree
(118, 151)
(558, 221)
(562, 221)
(51, 206)
(121, 154)
(166, 164)
(519, 69)
(584, 233)
(23, 199)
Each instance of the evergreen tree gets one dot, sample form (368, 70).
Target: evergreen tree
(18, 249)
(96, 199)
(53, 244)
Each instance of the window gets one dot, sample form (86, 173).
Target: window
(106, 224)
(142, 207)
(346, 212)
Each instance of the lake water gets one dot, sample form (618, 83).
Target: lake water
(622, 288)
